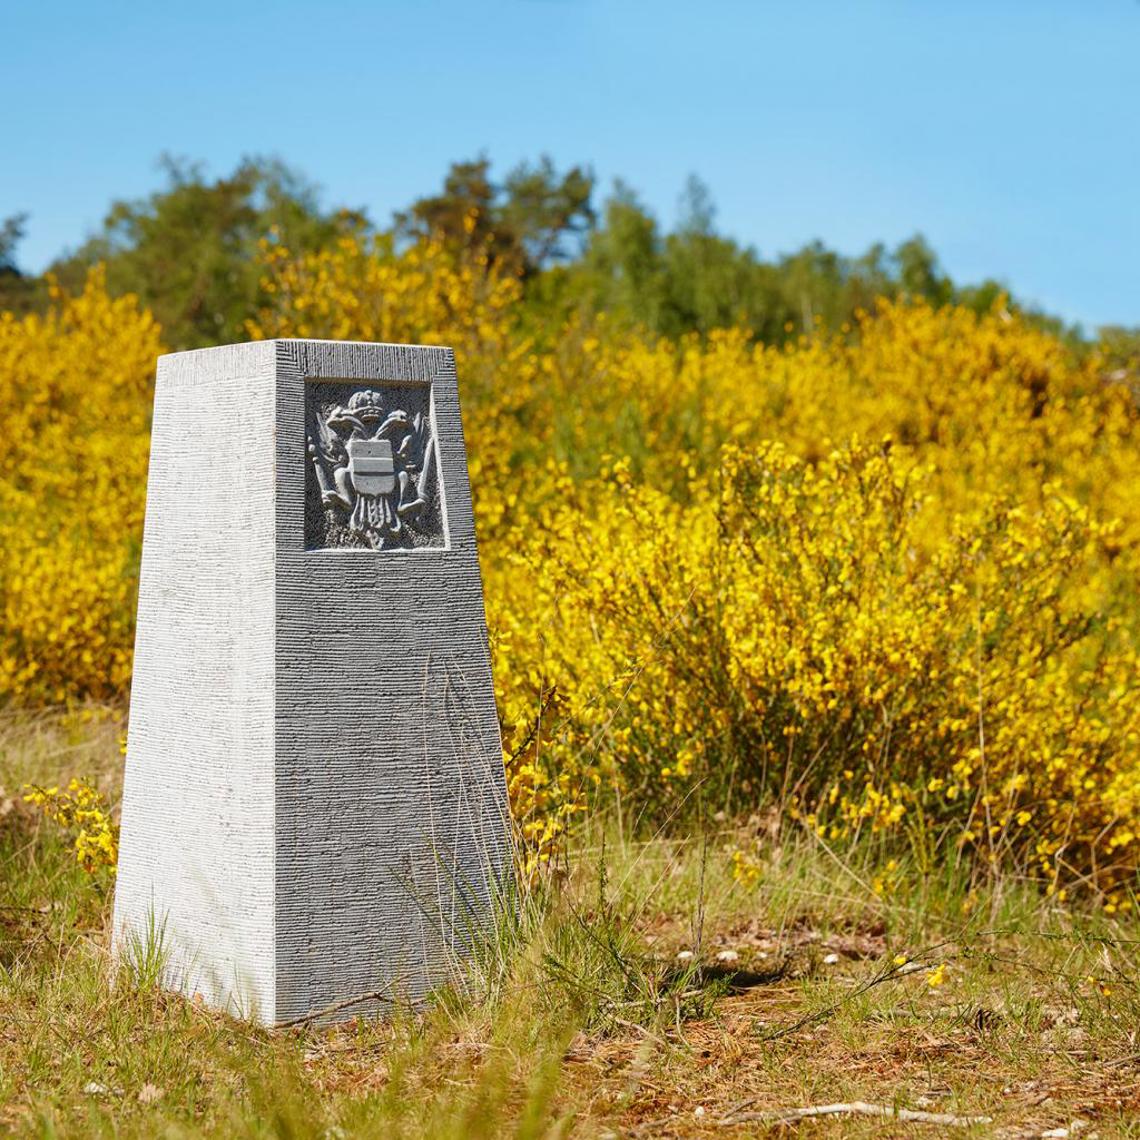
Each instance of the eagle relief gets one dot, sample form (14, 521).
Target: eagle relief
(374, 481)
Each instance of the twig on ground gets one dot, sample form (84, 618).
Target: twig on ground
(855, 1108)
(648, 1034)
(375, 995)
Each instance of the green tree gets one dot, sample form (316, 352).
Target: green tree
(19, 291)
(550, 214)
(692, 279)
(533, 219)
(710, 281)
(11, 234)
(622, 268)
(919, 274)
(696, 279)
(190, 249)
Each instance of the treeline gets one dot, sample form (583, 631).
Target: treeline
(190, 251)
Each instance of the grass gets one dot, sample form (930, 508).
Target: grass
(611, 1004)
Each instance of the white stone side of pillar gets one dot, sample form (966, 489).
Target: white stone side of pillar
(196, 864)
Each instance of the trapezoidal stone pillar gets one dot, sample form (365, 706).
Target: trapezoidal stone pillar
(314, 806)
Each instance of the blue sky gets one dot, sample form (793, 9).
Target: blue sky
(1007, 132)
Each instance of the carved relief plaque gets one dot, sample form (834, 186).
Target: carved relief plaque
(372, 476)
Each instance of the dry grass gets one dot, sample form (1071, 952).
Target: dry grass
(581, 1020)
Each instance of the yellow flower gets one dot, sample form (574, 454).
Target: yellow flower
(745, 869)
(83, 811)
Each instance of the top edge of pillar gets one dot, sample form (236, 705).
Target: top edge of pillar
(268, 346)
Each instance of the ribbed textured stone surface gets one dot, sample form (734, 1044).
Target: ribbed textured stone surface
(314, 798)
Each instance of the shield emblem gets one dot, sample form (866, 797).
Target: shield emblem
(371, 466)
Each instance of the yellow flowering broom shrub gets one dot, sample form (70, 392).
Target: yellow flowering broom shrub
(797, 634)
(84, 813)
(75, 394)
(882, 577)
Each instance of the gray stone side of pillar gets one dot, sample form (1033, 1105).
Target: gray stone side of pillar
(198, 824)
(392, 830)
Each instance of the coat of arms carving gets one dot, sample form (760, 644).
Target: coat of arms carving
(374, 468)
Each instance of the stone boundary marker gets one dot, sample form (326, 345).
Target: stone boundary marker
(314, 806)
